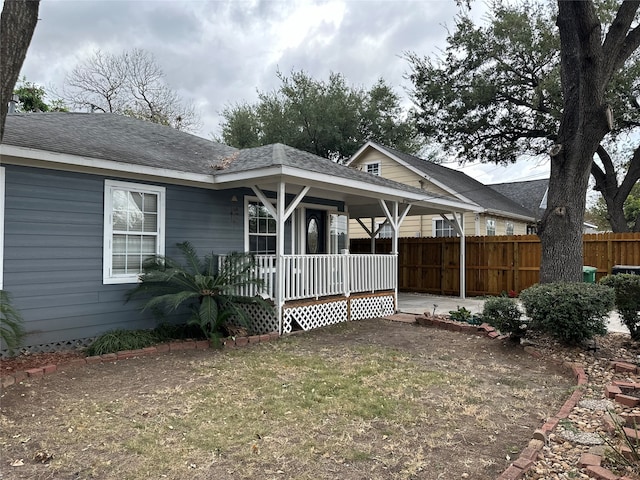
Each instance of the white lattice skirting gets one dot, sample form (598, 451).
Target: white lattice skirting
(262, 320)
(316, 315)
(51, 347)
(371, 307)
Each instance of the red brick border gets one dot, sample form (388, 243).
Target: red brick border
(231, 342)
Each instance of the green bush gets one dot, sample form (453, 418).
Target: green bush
(206, 286)
(627, 294)
(569, 312)
(11, 330)
(504, 314)
(119, 340)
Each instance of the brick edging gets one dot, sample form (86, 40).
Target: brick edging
(227, 343)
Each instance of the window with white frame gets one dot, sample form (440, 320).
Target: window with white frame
(1, 225)
(262, 229)
(491, 226)
(133, 228)
(373, 168)
(385, 231)
(442, 228)
(508, 228)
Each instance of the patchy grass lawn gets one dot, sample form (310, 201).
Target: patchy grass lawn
(369, 399)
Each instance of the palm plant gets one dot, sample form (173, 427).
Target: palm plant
(11, 330)
(210, 288)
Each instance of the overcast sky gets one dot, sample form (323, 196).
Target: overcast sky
(218, 53)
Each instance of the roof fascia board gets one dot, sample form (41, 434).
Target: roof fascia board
(75, 163)
(513, 216)
(306, 177)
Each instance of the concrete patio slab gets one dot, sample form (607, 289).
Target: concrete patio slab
(419, 303)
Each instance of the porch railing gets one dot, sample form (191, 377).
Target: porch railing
(313, 276)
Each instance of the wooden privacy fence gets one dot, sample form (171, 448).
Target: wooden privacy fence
(494, 264)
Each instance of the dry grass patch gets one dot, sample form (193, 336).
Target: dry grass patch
(362, 400)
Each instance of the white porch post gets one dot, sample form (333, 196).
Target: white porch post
(280, 219)
(395, 220)
(458, 225)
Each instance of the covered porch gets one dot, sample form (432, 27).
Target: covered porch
(307, 271)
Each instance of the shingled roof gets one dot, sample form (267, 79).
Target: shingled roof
(107, 136)
(488, 198)
(127, 140)
(529, 193)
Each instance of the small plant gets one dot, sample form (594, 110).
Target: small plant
(119, 340)
(627, 294)
(570, 312)
(631, 458)
(503, 313)
(11, 329)
(207, 286)
(464, 315)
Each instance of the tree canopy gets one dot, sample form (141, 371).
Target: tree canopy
(32, 98)
(496, 93)
(130, 83)
(327, 118)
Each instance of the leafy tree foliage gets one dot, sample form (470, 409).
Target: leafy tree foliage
(496, 93)
(130, 83)
(17, 24)
(32, 99)
(327, 118)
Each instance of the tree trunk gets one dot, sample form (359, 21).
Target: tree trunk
(17, 23)
(582, 127)
(613, 194)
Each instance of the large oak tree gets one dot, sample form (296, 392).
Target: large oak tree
(496, 95)
(589, 60)
(17, 24)
(527, 85)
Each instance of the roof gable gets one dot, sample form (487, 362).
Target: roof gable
(458, 183)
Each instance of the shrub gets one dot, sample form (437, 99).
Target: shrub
(11, 330)
(504, 314)
(569, 312)
(627, 294)
(205, 285)
(118, 340)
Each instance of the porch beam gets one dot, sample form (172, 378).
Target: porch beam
(295, 202)
(265, 201)
(364, 227)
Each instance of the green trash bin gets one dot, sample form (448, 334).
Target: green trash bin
(589, 274)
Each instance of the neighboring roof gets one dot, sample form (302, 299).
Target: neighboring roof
(529, 194)
(455, 181)
(113, 137)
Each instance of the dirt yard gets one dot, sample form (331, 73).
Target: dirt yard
(364, 400)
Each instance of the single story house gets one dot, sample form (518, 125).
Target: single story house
(85, 198)
(497, 214)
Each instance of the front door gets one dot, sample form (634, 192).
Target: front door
(315, 228)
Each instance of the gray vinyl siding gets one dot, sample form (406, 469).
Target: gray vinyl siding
(53, 249)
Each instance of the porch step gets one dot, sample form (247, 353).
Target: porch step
(402, 317)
